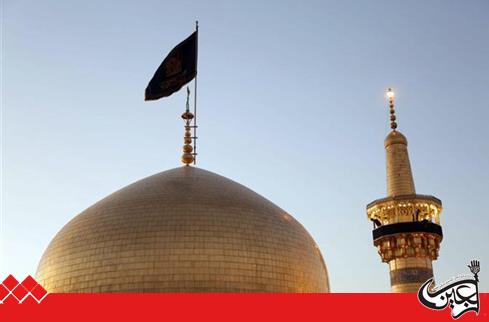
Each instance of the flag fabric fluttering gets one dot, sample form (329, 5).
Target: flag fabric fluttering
(176, 70)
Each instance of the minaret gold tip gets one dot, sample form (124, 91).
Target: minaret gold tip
(390, 96)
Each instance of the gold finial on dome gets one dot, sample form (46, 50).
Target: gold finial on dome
(390, 96)
(187, 156)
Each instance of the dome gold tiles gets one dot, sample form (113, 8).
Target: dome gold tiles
(183, 230)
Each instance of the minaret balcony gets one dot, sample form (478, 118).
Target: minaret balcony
(406, 208)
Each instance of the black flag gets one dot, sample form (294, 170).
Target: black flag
(178, 68)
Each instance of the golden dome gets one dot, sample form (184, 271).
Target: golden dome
(395, 137)
(183, 230)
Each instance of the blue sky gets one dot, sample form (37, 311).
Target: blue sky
(291, 104)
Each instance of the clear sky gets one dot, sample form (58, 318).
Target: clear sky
(291, 104)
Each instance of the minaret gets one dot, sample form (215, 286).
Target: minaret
(407, 231)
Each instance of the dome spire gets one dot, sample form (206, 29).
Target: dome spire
(390, 96)
(187, 156)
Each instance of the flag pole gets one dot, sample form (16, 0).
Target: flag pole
(195, 90)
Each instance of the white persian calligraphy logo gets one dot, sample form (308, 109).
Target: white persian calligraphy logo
(461, 294)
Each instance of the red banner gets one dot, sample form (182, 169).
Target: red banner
(231, 307)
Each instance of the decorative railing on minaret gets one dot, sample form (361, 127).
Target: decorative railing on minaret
(407, 231)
